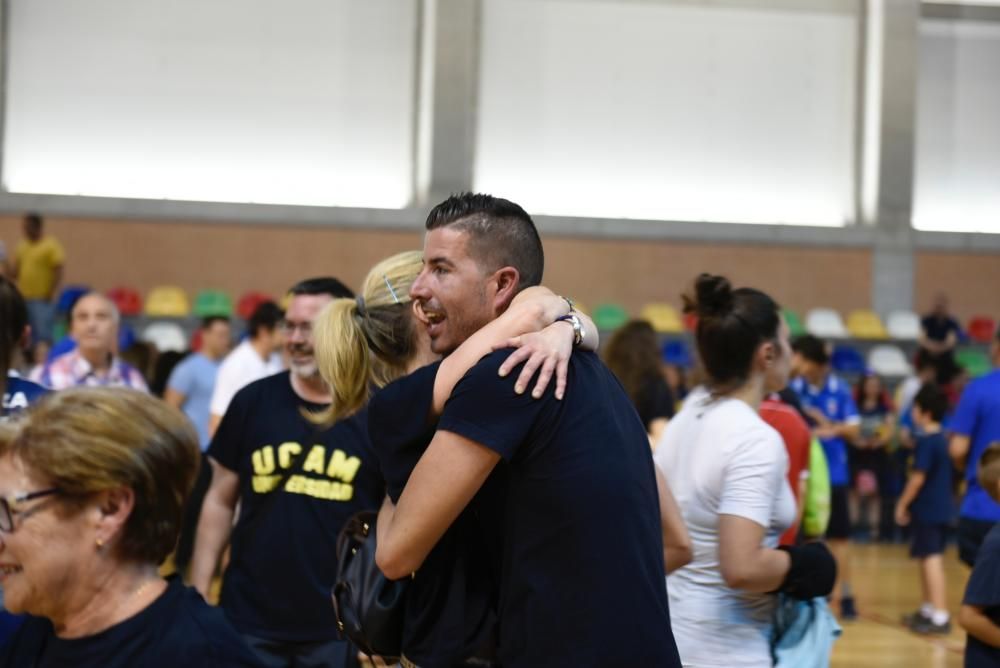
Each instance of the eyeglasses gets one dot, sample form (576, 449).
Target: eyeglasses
(7, 513)
(288, 327)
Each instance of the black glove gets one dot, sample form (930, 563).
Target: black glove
(812, 573)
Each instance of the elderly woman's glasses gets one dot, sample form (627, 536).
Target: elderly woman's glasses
(6, 502)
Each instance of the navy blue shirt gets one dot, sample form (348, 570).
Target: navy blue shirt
(937, 328)
(933, 502)
(451, 602)
(983, 591)
(283, 550)
(177, 629)
(582, 580)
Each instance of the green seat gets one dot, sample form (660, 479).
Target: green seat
(609, 316)
(213, 302)
(795, 326)
(975, 362)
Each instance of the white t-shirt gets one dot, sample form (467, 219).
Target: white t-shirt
(240, 368)
(719, 458)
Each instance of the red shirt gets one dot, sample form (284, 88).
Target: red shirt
(795, 433)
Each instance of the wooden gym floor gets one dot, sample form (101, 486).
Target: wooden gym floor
(886, 586)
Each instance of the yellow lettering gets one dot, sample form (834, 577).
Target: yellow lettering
(327, 490)
(262, 484)
(343, 467)
(314, 461)
(263, 460)
(285, 453)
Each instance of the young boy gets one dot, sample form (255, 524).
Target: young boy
(980, 612)
(926, 502)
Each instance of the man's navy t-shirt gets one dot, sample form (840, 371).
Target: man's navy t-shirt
(283, 556)
(983, 591)
(582, 581)
(933, 502)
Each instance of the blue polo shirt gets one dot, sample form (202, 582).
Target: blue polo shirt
(834, 400)
(978, 417)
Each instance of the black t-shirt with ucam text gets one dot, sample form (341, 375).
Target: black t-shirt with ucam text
(283, 550)
(582, 581)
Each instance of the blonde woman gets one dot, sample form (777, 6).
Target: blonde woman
(366, 343)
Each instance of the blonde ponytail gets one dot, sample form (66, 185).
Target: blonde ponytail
(360, 347)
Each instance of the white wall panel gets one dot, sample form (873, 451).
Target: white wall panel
(958, 127)
(298, 102)
(677, 111)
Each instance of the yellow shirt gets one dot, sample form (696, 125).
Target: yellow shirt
(36, 265)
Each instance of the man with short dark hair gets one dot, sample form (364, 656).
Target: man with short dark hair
(189, 389)
(297, 484)
(974, 425)
(582, 572)
(827, 399)
(256, 357)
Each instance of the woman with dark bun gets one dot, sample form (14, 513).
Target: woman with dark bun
(727, 468)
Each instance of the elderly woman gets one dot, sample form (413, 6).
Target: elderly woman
(92, 486)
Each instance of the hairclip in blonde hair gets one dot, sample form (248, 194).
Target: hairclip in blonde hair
(392, 292)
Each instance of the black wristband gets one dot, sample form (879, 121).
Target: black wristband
(812, 573)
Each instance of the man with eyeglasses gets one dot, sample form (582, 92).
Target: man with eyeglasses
(256, 357)
(297, 484)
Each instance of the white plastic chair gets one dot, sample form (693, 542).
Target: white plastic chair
(903, 325)
(825, 323)
(166, 336)
(889, 360)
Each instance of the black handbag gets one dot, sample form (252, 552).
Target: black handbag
(369, 606)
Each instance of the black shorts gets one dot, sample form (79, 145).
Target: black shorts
(840, 516)
(926, 540)
(970, 536)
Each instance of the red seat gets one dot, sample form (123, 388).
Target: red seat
(249, 302)
(690, 321)
(128, 301)
(982, 328)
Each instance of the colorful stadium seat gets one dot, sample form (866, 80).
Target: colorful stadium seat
(794, 322)
(249, 302)
(888, 360)
(167, 301)
(68, 297)
(212, 302)
(663, 317)
(676, 352)
(975, 362)
(165, 336)
(825, 323)
(904, 325)
(609, 316)
(982, 329)
(127, 300)
(846, 359)
(865, 324)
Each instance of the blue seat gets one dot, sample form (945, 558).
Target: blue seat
(847, 360)
(676, 352)
(68, 297)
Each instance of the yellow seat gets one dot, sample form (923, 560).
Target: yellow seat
(865, 324)
(663, 317)
(167, 301)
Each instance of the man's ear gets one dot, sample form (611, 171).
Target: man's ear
(507, 280)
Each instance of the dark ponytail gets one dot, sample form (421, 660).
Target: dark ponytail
(731, 326)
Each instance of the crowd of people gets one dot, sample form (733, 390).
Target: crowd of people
(546, 507)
